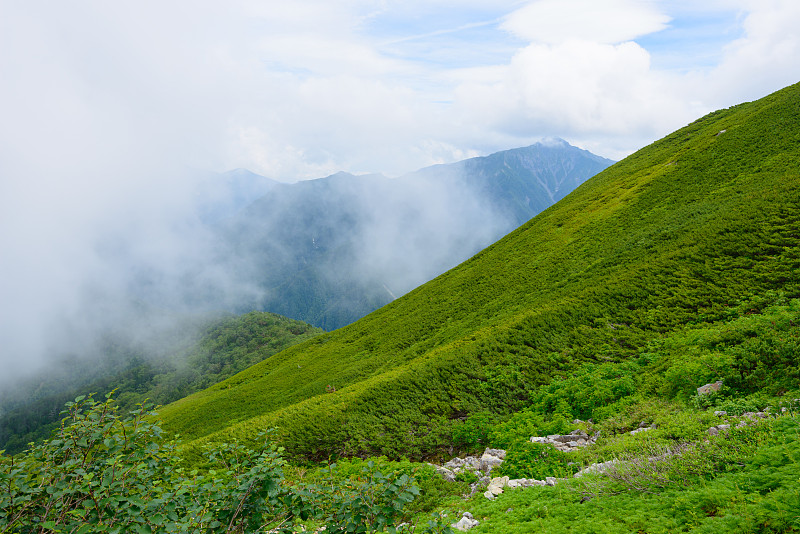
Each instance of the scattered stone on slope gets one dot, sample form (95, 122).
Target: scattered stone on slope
(445, 473)
(491, 458)
(708, 388)
(596, 468)
(747, 418)
(567, 442)
(643, 427)
(714, 430)
(465, 523)
(497, 484)
(479, 467)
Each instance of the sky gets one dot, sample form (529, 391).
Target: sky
(110, 110)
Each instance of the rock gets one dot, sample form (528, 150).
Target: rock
(491, 458)
(567, 442)
(715, 430)
(720, 413)
(465, 523)
(446, 474)
(496, 485)
(595, 468)
(499, 453)
(708, 388)
(499, 482)
(455, 463)
(489, 495)
(494, 490)
(550, 481)
(472, 463)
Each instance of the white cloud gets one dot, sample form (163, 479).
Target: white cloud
(577, 80)
(608, 22)
(765, 59)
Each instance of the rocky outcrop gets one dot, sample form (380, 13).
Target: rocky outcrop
(482, 467)
(495, 487)
(568, 442)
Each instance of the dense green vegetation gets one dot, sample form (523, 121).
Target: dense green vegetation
(225, 346)
(675, 236)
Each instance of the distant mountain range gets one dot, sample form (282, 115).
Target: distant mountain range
(331, 250)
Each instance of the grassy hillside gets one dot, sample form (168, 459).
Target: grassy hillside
(670, 238)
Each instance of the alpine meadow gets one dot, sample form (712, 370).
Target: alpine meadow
(653, 314)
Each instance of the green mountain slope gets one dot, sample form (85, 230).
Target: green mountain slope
(669, 237)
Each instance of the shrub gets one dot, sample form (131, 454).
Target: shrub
(102, 472)
(536, 460)
(472, 434)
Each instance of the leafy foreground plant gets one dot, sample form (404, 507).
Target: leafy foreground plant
(102, 472)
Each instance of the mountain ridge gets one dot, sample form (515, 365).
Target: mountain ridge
(328, 251)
